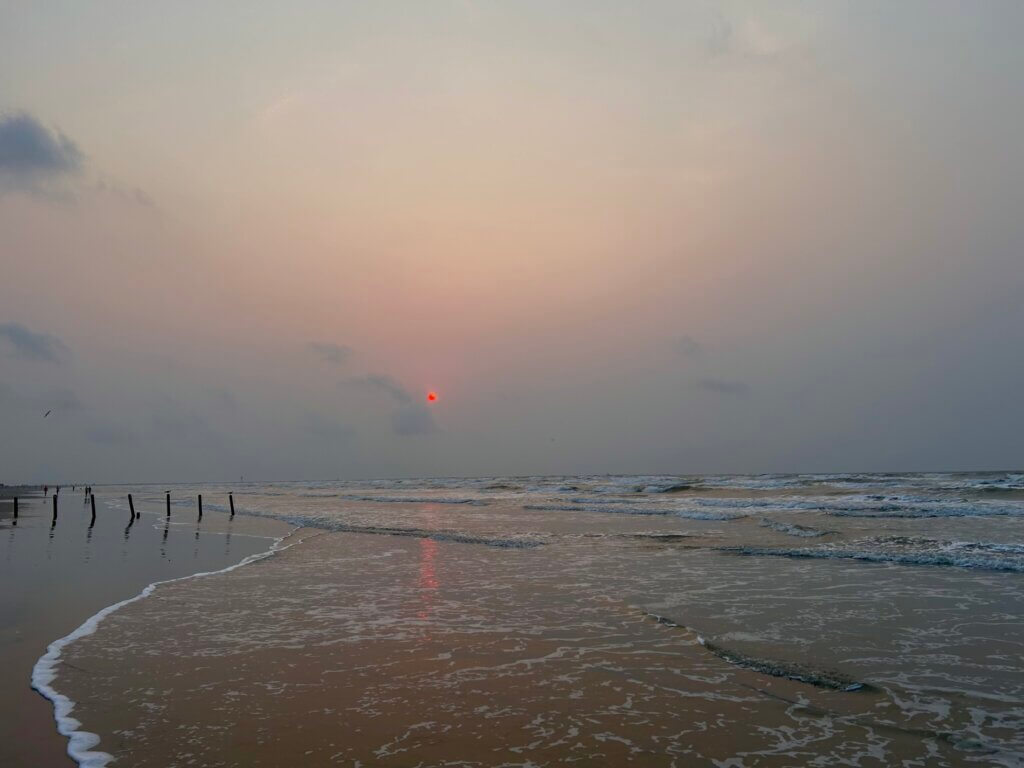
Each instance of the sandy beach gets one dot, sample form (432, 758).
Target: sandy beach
(395, 653)
(57, 577)
(576, 621)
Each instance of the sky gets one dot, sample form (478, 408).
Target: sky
(247, 238)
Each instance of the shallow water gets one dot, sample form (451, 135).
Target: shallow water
(55, 576)
(769, 620)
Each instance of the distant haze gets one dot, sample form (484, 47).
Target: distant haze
(248, 238)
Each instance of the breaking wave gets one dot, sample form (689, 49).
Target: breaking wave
(614, 509)
(791, 670)
(793, 529)
(905, 550)
(417, 500)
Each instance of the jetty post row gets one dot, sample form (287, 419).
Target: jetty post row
(133, 515)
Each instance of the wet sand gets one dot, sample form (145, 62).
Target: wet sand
(55, 578)
(354, 649)
(445, 622)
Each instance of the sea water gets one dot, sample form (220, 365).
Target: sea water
(861, 619)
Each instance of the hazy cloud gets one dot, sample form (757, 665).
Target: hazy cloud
(723, 386)
(172, 419)
(8, 396)
(758, 32)
(61, 399)
(336, 354)
(29, 345)
(57, 400)
(133, 195)
(413, 419)
(221, 399)
(31, 153)
(327, 428)
(687, 346)
(410, 417)
(109, 434)
(382, 384)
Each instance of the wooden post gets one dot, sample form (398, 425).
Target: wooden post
(231, 501)
(92, 502)
(168, 504)
(15, 507)
(55, 507)
(131, 506)
(200, 506)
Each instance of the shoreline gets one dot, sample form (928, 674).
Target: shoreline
(366, 633)
(63, 573)
(80, 742)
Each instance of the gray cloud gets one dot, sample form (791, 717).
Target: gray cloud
(221, 399)
(8, 396)
(171, 419)
(61, 400)
(31, 153)
(410, 417)
(327, 428)
(413, 419)
(331, 353)
(133, 195)
(382, 384)
(687, 346)
(29, 345)
(109, 434)
(722, 386)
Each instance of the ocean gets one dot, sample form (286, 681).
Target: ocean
(839, 619)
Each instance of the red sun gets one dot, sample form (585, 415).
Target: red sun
(431, 397)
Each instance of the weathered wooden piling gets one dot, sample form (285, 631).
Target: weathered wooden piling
(231, 501)
(92, 503)
(168, 504)
(55, 507)
(15, 507)
(131, 506)
(200, 506)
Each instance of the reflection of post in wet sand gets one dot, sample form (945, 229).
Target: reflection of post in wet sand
(131, 522)
(428, 581)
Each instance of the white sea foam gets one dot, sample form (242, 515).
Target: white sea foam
(742, 601)
(903, 550)
(417, 500)
(792, 529)
(81, 743)
(689, 514)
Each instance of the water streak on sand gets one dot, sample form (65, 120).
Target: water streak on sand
(791, 670)
(420, 621)
(81, 743)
